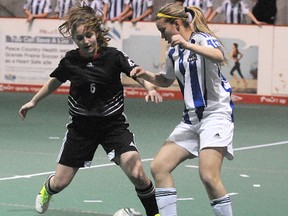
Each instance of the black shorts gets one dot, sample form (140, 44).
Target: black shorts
(86, 133)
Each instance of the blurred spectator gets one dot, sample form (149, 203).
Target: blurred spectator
(37, 9)
(235, 12)
(141, 10)
(205, 5)
(117, 9)
(179, 2)
(99, 6)
(265, 10)
(63, 6)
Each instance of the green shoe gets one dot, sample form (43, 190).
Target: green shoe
(42, 200)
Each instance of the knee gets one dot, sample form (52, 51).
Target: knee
(154, 168)
(209, 180)
(158, 170)
(137, 174)
(58, 184)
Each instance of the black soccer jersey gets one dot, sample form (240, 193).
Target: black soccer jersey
(96, 88)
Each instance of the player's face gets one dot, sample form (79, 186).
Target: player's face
(86, 40)
(166, 29)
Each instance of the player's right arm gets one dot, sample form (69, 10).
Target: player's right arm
(155, 78)
(50, 86)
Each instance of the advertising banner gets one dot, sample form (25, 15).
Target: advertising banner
(29, 52)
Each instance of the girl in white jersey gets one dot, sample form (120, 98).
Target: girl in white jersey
(206, 129)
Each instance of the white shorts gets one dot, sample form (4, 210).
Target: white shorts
(210, 132)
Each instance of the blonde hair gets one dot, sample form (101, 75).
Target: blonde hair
(191, 17)
(86, 16)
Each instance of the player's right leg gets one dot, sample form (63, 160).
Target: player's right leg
(167, 159)
(54, 184)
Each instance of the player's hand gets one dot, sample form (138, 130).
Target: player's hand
(24, 109)
(154, 96)
(137, 72)
(178, 40)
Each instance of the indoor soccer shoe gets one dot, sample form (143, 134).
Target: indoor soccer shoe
(42, 200)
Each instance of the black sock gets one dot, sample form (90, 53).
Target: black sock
(148, 200)
(47, 186)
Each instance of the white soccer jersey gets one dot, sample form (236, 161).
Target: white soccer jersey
(234, 13)
(63, 6)
(203, 4)
(38, 6)
(116, 7)
(205, 90)
(140, 6)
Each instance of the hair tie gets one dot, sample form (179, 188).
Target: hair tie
(190, 14)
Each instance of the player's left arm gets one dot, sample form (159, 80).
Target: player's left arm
(210, 51)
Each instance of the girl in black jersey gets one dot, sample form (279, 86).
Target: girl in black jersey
(96, 104)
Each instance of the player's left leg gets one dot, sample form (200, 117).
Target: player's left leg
(131, 164)
(210, 162)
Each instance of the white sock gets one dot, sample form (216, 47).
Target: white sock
(166, 200)
(222, 206)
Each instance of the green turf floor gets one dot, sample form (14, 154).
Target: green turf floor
(256, 178)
